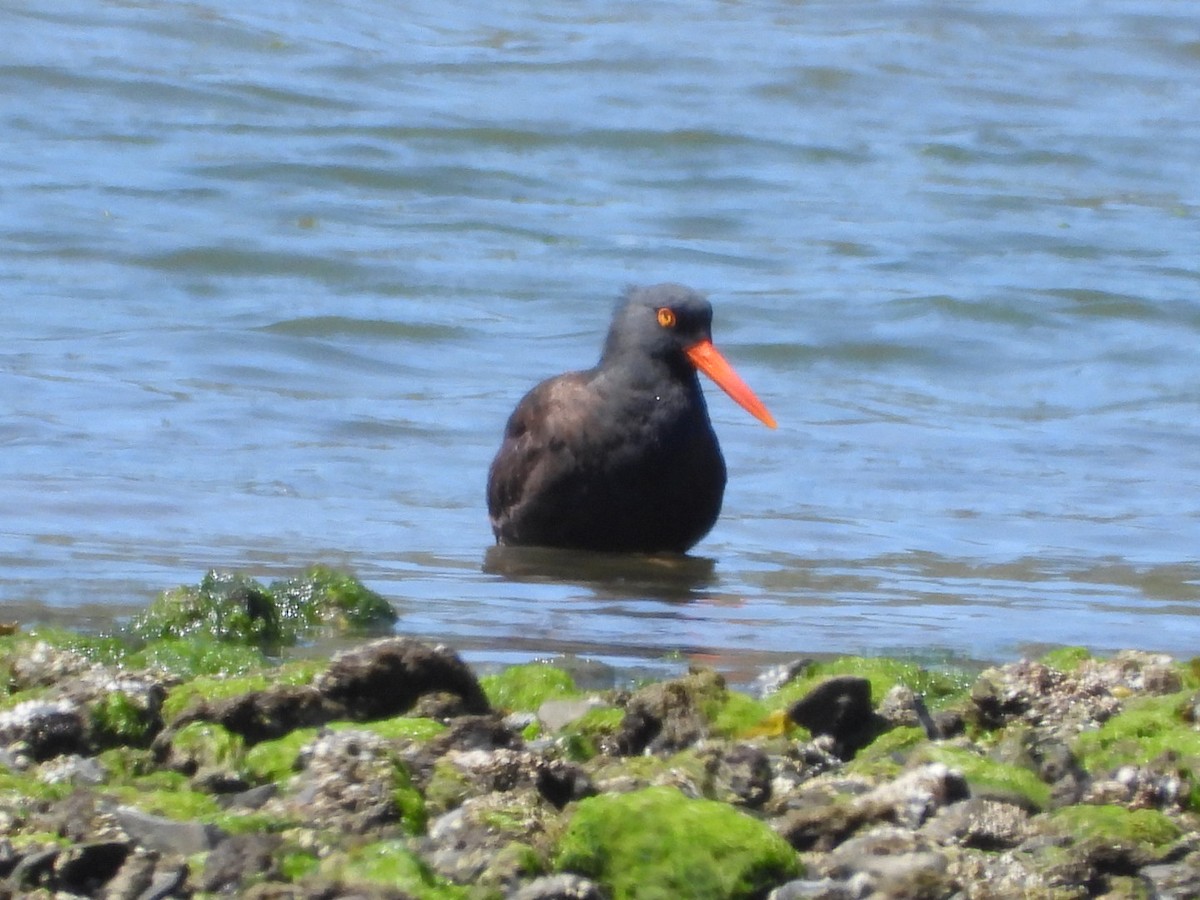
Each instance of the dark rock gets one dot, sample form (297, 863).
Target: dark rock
(442, 706)
(167, 835)
(561, 782)
(348, 781)
(135, 879)
(42, 730)
(1058, 767)
(167, 881)
(8, 857)
(85, 868)
(253, 798)
(820, 827)
(265, 715)
(487, 841)
(386, 678)
(638, 728)
(237, 859)
(841, 708)
(947, 723)
(219, 781)
(667, 717)
(559, 887)
(909, 800)
(982, 824)
(72, 817)
(1180, 878)
(740, 774)
(486, 732)
(34, 869)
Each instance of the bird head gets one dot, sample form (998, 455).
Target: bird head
(672, 324)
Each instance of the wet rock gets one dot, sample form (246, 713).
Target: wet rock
(238, 859)
(72, 769)
(558, 714)
(663, 718)
(8, 857)
(821, 889)
(490, 840)
(252, 798)
(902, 707)
(139, 878)
(841, 708)
(1175, 878)
(485, 732)
(167, 835)
(559, 887)
(895, 862)
(259, 716)
(739, 774)
(561, 782)
(770, 681)
(34, 869)
(42, 729)
(86, 868)
(1063, 704)
(73, 817)
(1139, 787)
(908, 800)
(354, 781)
(43, 665)
(387, 677)
(980, 824)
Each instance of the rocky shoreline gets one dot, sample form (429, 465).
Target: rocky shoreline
(183, 758)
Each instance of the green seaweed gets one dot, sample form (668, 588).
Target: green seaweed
(209, 688)
(391, 864)
(270, 762)
(526, 687)
(987, 775)
(582, 737)
(415, 728)
(198, 656)
(234, 608)
(209, 744)
(1114, 824)
(118, 718)
(1149, 730)
(1067, 659)
(325, 597)
(656, 843)
(936, 687)
(886, 756)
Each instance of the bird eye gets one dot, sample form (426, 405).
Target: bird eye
(666, 317)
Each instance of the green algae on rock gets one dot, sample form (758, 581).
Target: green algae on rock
(526, 687)
(657, 843)
(235, 608)
(392, 864)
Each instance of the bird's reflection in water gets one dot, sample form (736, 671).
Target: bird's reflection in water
(620, 575)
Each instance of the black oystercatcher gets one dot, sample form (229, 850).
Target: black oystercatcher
(622, 457)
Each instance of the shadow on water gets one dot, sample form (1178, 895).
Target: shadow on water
(666, 577)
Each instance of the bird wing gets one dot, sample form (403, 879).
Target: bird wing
(539, 444)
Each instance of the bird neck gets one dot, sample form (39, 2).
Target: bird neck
(637, 371)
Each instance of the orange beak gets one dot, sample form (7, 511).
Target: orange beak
(704, 356)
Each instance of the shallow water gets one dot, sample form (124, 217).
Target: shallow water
(274, 280)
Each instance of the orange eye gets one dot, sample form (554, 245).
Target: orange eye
(666, 317)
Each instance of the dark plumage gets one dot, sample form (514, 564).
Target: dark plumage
(621, 457)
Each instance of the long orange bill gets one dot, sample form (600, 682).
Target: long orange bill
(704, 356)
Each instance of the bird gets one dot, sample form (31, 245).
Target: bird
(622, 457)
